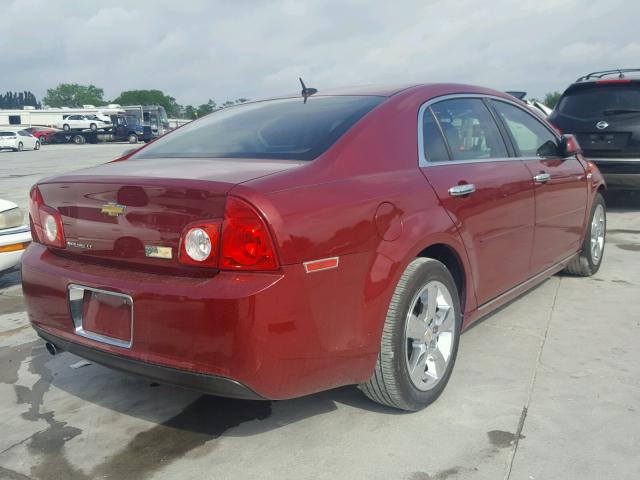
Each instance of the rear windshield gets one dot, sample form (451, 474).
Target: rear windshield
(7, 134)
(592, 102)
(287, 129)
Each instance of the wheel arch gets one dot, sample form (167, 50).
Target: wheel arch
(448, 256)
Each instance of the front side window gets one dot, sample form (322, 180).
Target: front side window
(532, 138)
(286, 129)
(469, 129)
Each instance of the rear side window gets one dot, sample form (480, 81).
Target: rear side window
(435, 150)
(469, 129)
(532, 138)
(599, 100)
(287, 129)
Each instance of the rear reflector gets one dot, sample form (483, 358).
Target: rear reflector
(319, 265)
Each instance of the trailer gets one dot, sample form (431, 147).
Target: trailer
(77, 136)
(50, 117)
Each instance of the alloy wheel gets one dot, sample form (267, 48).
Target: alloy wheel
(598, 227)
(429, 335)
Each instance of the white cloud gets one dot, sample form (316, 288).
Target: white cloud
(196, 50)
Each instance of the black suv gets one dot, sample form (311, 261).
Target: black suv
(602, 109)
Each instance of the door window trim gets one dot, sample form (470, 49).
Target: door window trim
(422, 160)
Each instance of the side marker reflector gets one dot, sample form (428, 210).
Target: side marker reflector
(15, 247)
(319, 265)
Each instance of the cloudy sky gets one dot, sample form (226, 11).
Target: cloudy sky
(198, 49)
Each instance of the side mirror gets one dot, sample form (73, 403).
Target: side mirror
(569, 146)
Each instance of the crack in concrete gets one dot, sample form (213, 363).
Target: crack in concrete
(525, 408)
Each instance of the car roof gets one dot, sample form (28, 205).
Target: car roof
(434, 89)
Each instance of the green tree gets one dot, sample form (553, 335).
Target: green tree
(149, 97)
(206, 108)
(190, 112)
(73, 95)
(551, 99)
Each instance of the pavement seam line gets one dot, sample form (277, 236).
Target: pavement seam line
(21, 441)
(532, 383)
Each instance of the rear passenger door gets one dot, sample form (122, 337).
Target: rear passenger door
(560, 186)
(487, 193)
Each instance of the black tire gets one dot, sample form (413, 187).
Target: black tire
(93, 127)
(133, 138)
(585, 264)
(78, 139)
(66, 127)
(20, 147)
(37, 146)
(43, 140)
(390, 383)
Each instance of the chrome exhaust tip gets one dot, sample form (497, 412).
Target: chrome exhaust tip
(51, 348)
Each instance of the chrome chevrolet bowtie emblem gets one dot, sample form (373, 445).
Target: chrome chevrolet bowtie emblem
(113, 209)
(601, 125)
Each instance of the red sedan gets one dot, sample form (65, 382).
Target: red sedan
(284, 247)
(43, 134)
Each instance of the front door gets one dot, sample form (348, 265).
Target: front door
(560, 187)
(487, 193)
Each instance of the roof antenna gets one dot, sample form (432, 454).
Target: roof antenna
(306, 91)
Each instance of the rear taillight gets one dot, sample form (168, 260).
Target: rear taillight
(45, 222)
(246, 241)
(240, 242)
(200, 243)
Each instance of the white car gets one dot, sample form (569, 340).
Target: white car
(100, 117)
(81, 122)
(18, 140)
(14, 235)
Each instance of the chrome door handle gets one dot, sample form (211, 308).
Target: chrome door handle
(461, 190)
(542, 178)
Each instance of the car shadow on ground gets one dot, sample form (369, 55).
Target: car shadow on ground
(180, 420)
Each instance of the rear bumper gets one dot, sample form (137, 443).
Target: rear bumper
(279, 335)
(619, 173)
(210, 384)
(8, 144)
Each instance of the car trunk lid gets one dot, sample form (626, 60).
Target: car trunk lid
(134, 211)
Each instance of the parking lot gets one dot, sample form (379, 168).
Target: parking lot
(547, 387)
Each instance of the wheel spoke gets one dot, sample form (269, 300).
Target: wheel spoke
(417, 364)
(445, 319)
(432, 302)
(416, 328)
(437, 363)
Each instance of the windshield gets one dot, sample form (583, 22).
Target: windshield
(285, 129)
(593, 102)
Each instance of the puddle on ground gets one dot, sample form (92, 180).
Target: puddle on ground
(502, 439)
